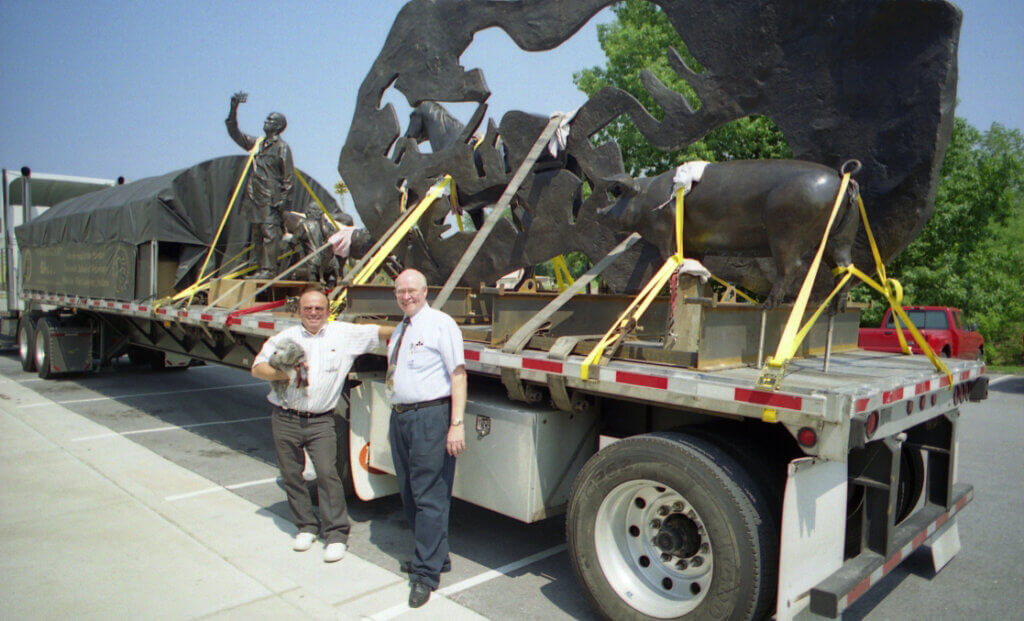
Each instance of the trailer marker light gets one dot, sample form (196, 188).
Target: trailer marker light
(807, 437)
(935, 398)
(921, 403)
(910, 407)
(871, 424)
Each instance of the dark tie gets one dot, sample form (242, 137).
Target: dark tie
(393, 361)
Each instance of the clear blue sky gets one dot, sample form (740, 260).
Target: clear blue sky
(102, 88)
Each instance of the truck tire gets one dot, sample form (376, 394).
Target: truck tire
(27, 343)
(44, 347)
(666, 526)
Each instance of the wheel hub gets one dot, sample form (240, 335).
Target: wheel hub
(654, 548)
(678, 536)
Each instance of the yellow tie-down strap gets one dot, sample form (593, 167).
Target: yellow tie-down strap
(408, 220)
(629, 318)
(227, 212)
(775, 367)
(316, 198)
(563, 276)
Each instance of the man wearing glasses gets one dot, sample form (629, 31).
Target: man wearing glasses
(303, 415)
(427, 377)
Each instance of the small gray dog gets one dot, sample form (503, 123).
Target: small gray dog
(290, 358)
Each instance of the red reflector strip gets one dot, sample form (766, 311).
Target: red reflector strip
(233, 321)
(548, 366)
(143, 309)
(206, 317)
(861, 405)
(922, 387)
(637, 379)
(943, 382)
(892, 396)
(110, 305)
(126, 307)
(893, 562)
(773, 399)
(965, 375)
(266, 325)
(470, 354)
(161, 311)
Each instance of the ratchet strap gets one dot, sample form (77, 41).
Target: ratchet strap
(402, 226)
(316, 198)
(629, 318)
(562, 275)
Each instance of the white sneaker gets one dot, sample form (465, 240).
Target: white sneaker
(303, 542)
(334, 552)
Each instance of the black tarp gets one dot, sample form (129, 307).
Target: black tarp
(88, 245)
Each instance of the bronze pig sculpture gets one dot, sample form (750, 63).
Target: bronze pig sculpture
(746, 208)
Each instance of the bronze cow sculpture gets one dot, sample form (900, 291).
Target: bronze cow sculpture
(753, 208)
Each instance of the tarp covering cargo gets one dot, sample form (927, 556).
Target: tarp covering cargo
(90, 245)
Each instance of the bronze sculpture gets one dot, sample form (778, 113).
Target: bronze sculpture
(268, 186)
(841, 80)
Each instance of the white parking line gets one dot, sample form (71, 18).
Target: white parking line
(114, 434)
(469, 583)
(141, 394)
(219, 488)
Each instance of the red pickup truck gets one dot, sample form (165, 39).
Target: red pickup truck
(941, 326)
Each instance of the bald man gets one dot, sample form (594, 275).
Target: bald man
(427, 374)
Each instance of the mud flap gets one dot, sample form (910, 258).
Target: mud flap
(944, 545)
(813, 527)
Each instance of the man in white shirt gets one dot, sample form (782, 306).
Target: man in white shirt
(305, 418)
(427, 374)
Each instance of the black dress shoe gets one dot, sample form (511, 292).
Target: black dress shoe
(406, 567)
(418, 594)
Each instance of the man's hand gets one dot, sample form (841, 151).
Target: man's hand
(238, 98)
(456, 440)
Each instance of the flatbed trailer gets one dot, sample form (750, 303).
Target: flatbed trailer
(688, 491)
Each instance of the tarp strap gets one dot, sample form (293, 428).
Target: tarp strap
(234, 196)
(316, 198)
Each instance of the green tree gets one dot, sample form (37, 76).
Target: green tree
(638, 39)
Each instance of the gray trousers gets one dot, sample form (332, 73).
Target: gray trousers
(292, 433)
(425, 475)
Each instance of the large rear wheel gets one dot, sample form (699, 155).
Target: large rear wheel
(27, 343)
(43, 347)
(667, 526)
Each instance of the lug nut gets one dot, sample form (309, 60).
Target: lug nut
(655, 523)
(677, 506)
(705, 548)
(665, 557)
(663, 510)
(682, 565)
(696, 561)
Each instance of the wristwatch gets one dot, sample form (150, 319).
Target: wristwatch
(457, 423)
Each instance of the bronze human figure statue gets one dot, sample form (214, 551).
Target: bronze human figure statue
(268, 187)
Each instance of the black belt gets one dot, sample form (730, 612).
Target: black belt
(302, 413)
(406, 407)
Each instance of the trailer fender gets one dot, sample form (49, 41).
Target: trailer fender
(813, 531)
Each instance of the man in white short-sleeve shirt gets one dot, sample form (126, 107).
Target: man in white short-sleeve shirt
(304, 418)
(427, 374)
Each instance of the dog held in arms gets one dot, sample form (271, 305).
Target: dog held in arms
(290, 358)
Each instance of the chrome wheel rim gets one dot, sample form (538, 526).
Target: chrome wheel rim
(41, 361)
(653, 548)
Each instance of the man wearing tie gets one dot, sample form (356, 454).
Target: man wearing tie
(427, 376)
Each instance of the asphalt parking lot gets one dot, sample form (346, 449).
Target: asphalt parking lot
(211, 423)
